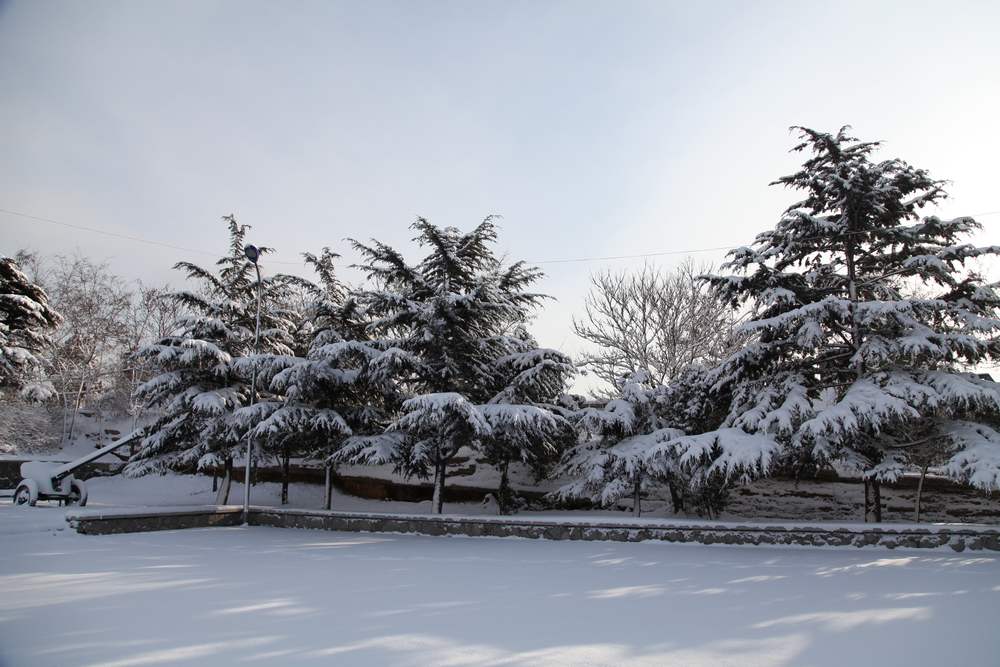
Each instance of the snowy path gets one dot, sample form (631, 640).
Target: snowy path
(259, 596)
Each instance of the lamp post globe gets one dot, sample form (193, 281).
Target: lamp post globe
(252, 253)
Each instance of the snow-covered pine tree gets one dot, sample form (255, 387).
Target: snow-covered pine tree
(702, 462)
(608, 462)
(612, 459)
(526, 424)
(844, 360)
(334, 388)
(445, 322)
(25, 322)
(200, 383)
(662, 435)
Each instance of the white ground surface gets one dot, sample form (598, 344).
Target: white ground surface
(265, 596)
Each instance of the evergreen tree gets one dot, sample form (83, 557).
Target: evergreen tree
(334, 390)
(612, 459)
(25, 322)
(703, 462)
(526, 424)
(654, 436)
(441, 324)
(205, 367)
(844, 358)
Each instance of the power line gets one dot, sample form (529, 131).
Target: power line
(694, 250)
(138, 239)
(126, 237)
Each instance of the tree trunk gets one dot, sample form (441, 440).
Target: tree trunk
(868, 501)
(435, 487)
(503, 493)
(65, 411)
(873, 501)
(227, 481)
(637, 497)
(877, 499)
(132, 398)
(215, 482)
(676, 498)
(440, 471)
(920, 489)
(328, 488)
(284, 475)
(79, 399)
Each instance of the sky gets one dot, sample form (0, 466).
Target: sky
(594, 128)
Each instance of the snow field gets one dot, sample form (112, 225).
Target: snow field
(261, 596)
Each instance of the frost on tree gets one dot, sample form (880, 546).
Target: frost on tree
(26, 320)
(866, 318)
(444, 326)
(200, 381)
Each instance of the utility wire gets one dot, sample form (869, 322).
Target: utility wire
(126, 237)
(138, 239)
(694, 250)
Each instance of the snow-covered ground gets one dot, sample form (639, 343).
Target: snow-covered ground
(271, 596)
(261, 596)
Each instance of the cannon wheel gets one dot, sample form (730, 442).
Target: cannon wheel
(77, 493)
(26, 493)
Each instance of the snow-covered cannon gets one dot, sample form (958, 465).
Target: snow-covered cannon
(55, 481)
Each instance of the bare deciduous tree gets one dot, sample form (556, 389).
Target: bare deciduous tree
(93, 302)
(652, 320)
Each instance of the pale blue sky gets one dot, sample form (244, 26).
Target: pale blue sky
(594, 128)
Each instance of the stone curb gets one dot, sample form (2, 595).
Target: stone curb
(958, 538)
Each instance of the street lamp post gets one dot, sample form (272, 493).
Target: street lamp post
(253, 254)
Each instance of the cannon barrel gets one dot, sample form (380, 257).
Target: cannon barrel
(67, 468)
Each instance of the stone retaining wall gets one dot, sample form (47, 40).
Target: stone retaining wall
(958, 538)
(98, 522)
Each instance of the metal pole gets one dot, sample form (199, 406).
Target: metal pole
(253, 399)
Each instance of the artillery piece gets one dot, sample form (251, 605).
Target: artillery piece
(52, 481)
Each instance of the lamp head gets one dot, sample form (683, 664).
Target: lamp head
(252, 253)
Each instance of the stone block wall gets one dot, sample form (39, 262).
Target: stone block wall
(958, 538)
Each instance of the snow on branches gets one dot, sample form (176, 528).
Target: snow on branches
(204, 366)
(865, 317)
(25, 322)
(443, 327)
(654, 435)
